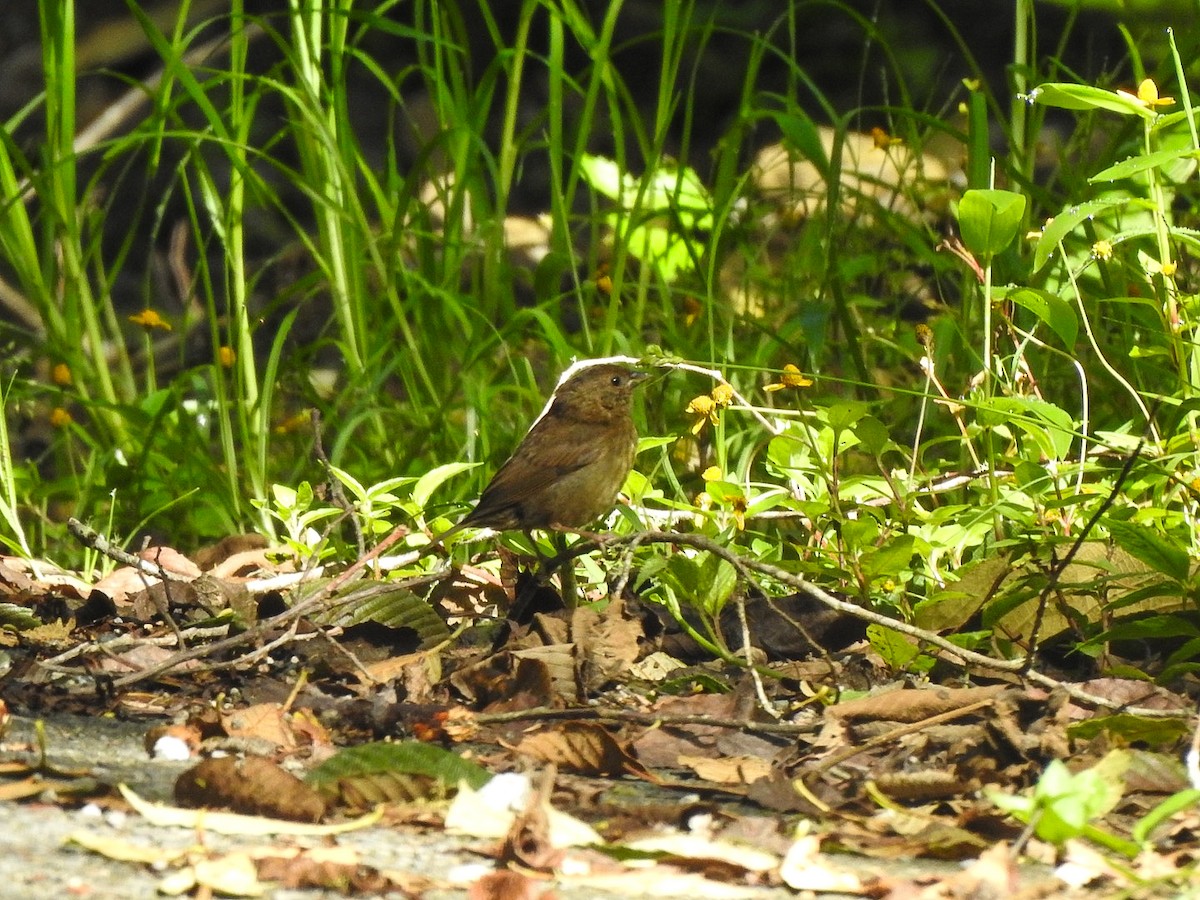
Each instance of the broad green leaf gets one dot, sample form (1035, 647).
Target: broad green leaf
(873, 434)
(1147, 628)
(603, 175)
(1124, 729)
(1051, 428)
(1058, 314)
(890, 559)
(898, 651)
(802, 134)
(989, 220)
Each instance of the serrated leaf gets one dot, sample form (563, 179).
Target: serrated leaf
(387, 604)
(1156, 550)
(380, 761)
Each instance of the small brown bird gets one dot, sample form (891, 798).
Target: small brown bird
(567, 470)
(569, 467)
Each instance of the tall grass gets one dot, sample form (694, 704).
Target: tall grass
(313, 247)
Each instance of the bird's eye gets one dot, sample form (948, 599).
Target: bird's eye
(616, 381)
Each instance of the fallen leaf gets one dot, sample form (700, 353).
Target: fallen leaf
(233, 823)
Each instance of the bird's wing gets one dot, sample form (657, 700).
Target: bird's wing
(525, 475)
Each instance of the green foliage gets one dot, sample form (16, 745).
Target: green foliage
(1063, 804)
(376, 284)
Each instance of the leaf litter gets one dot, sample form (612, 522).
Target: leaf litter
(642, 765)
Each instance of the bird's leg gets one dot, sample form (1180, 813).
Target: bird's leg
(566, 570)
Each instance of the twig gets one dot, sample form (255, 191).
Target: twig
(1057, 570)
(546, 714)
(93, 539)
(895, 734)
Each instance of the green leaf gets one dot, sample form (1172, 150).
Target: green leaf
(433, 479)
(405, 758)
(873, 434)
(1142, 163)
(1125, 729)
(17, 617)
(898, 651)
(802, 134)
(890, 559)
(1156, 550)
(1066, 222)
(989, 220)
(1051, 428)
(1159, 628)
(1084, 96)
(1058, 314)
(604, 176)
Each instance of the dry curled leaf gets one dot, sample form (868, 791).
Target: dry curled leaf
(252, 786)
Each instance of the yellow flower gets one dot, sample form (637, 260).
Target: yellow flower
(226, 357)
(705, 409)
(882, 139)
(791, 378)
(739, 512)
(1102, 250)
(722, 394)
(150, 319)
(1148, 94)
(60, 418)
(1168, 269)
(603, 280)
(61, 373)
(712, 473)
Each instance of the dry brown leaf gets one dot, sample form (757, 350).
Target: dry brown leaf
(559, 663)
(728, 770)
(264, 722)
(584, 748)
(912, 705)
(507, 886)
(170, 560)
(251, 786)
